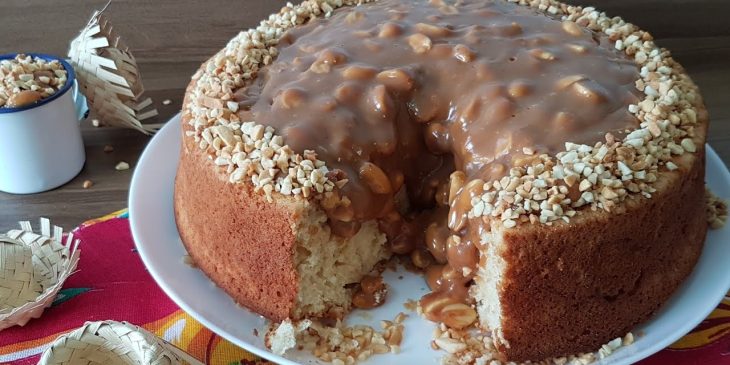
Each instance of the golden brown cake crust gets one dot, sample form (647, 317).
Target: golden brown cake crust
(570, 287)
(242, 242)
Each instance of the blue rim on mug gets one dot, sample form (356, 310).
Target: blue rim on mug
(70, 77)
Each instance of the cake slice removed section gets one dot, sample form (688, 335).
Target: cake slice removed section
(326, 264)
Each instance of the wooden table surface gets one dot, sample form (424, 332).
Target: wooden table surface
(170, 38)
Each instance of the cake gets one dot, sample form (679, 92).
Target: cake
(543, 163)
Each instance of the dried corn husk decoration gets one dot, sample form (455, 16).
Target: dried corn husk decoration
(108, 76)
(110, 342)
(33, 267)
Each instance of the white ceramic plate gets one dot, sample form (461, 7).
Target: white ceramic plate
(158, 242)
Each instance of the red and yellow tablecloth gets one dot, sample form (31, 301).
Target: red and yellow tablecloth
(112, 283)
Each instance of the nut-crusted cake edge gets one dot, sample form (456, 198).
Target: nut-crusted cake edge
(605, 174)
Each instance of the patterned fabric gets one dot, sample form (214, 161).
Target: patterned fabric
(113, 284)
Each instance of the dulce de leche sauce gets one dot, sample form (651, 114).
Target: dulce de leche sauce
(397, 95)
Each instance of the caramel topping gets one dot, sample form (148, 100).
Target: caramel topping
(371, 293)
(397, 95)
(509, 80)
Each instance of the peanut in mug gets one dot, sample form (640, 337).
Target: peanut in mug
(40, 143)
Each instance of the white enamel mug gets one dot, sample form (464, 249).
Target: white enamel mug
(40, 144)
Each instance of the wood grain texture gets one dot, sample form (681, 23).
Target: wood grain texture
(171, 38)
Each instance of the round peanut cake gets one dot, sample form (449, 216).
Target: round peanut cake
(542, 163)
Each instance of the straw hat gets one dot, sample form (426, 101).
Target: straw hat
(109, 77)
(33, 267)
(113, 343)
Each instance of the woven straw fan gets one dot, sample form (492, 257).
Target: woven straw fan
(113, 343)
(33, 267)
(108, 76)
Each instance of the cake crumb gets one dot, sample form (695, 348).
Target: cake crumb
(187, 260)
(108, 148)
(95, 122)
(337, 344)
(121, 166)
(411, 305)
(716, 209)
(284, 337)
(87, 184)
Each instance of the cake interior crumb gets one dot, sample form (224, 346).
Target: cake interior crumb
(187, 260)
